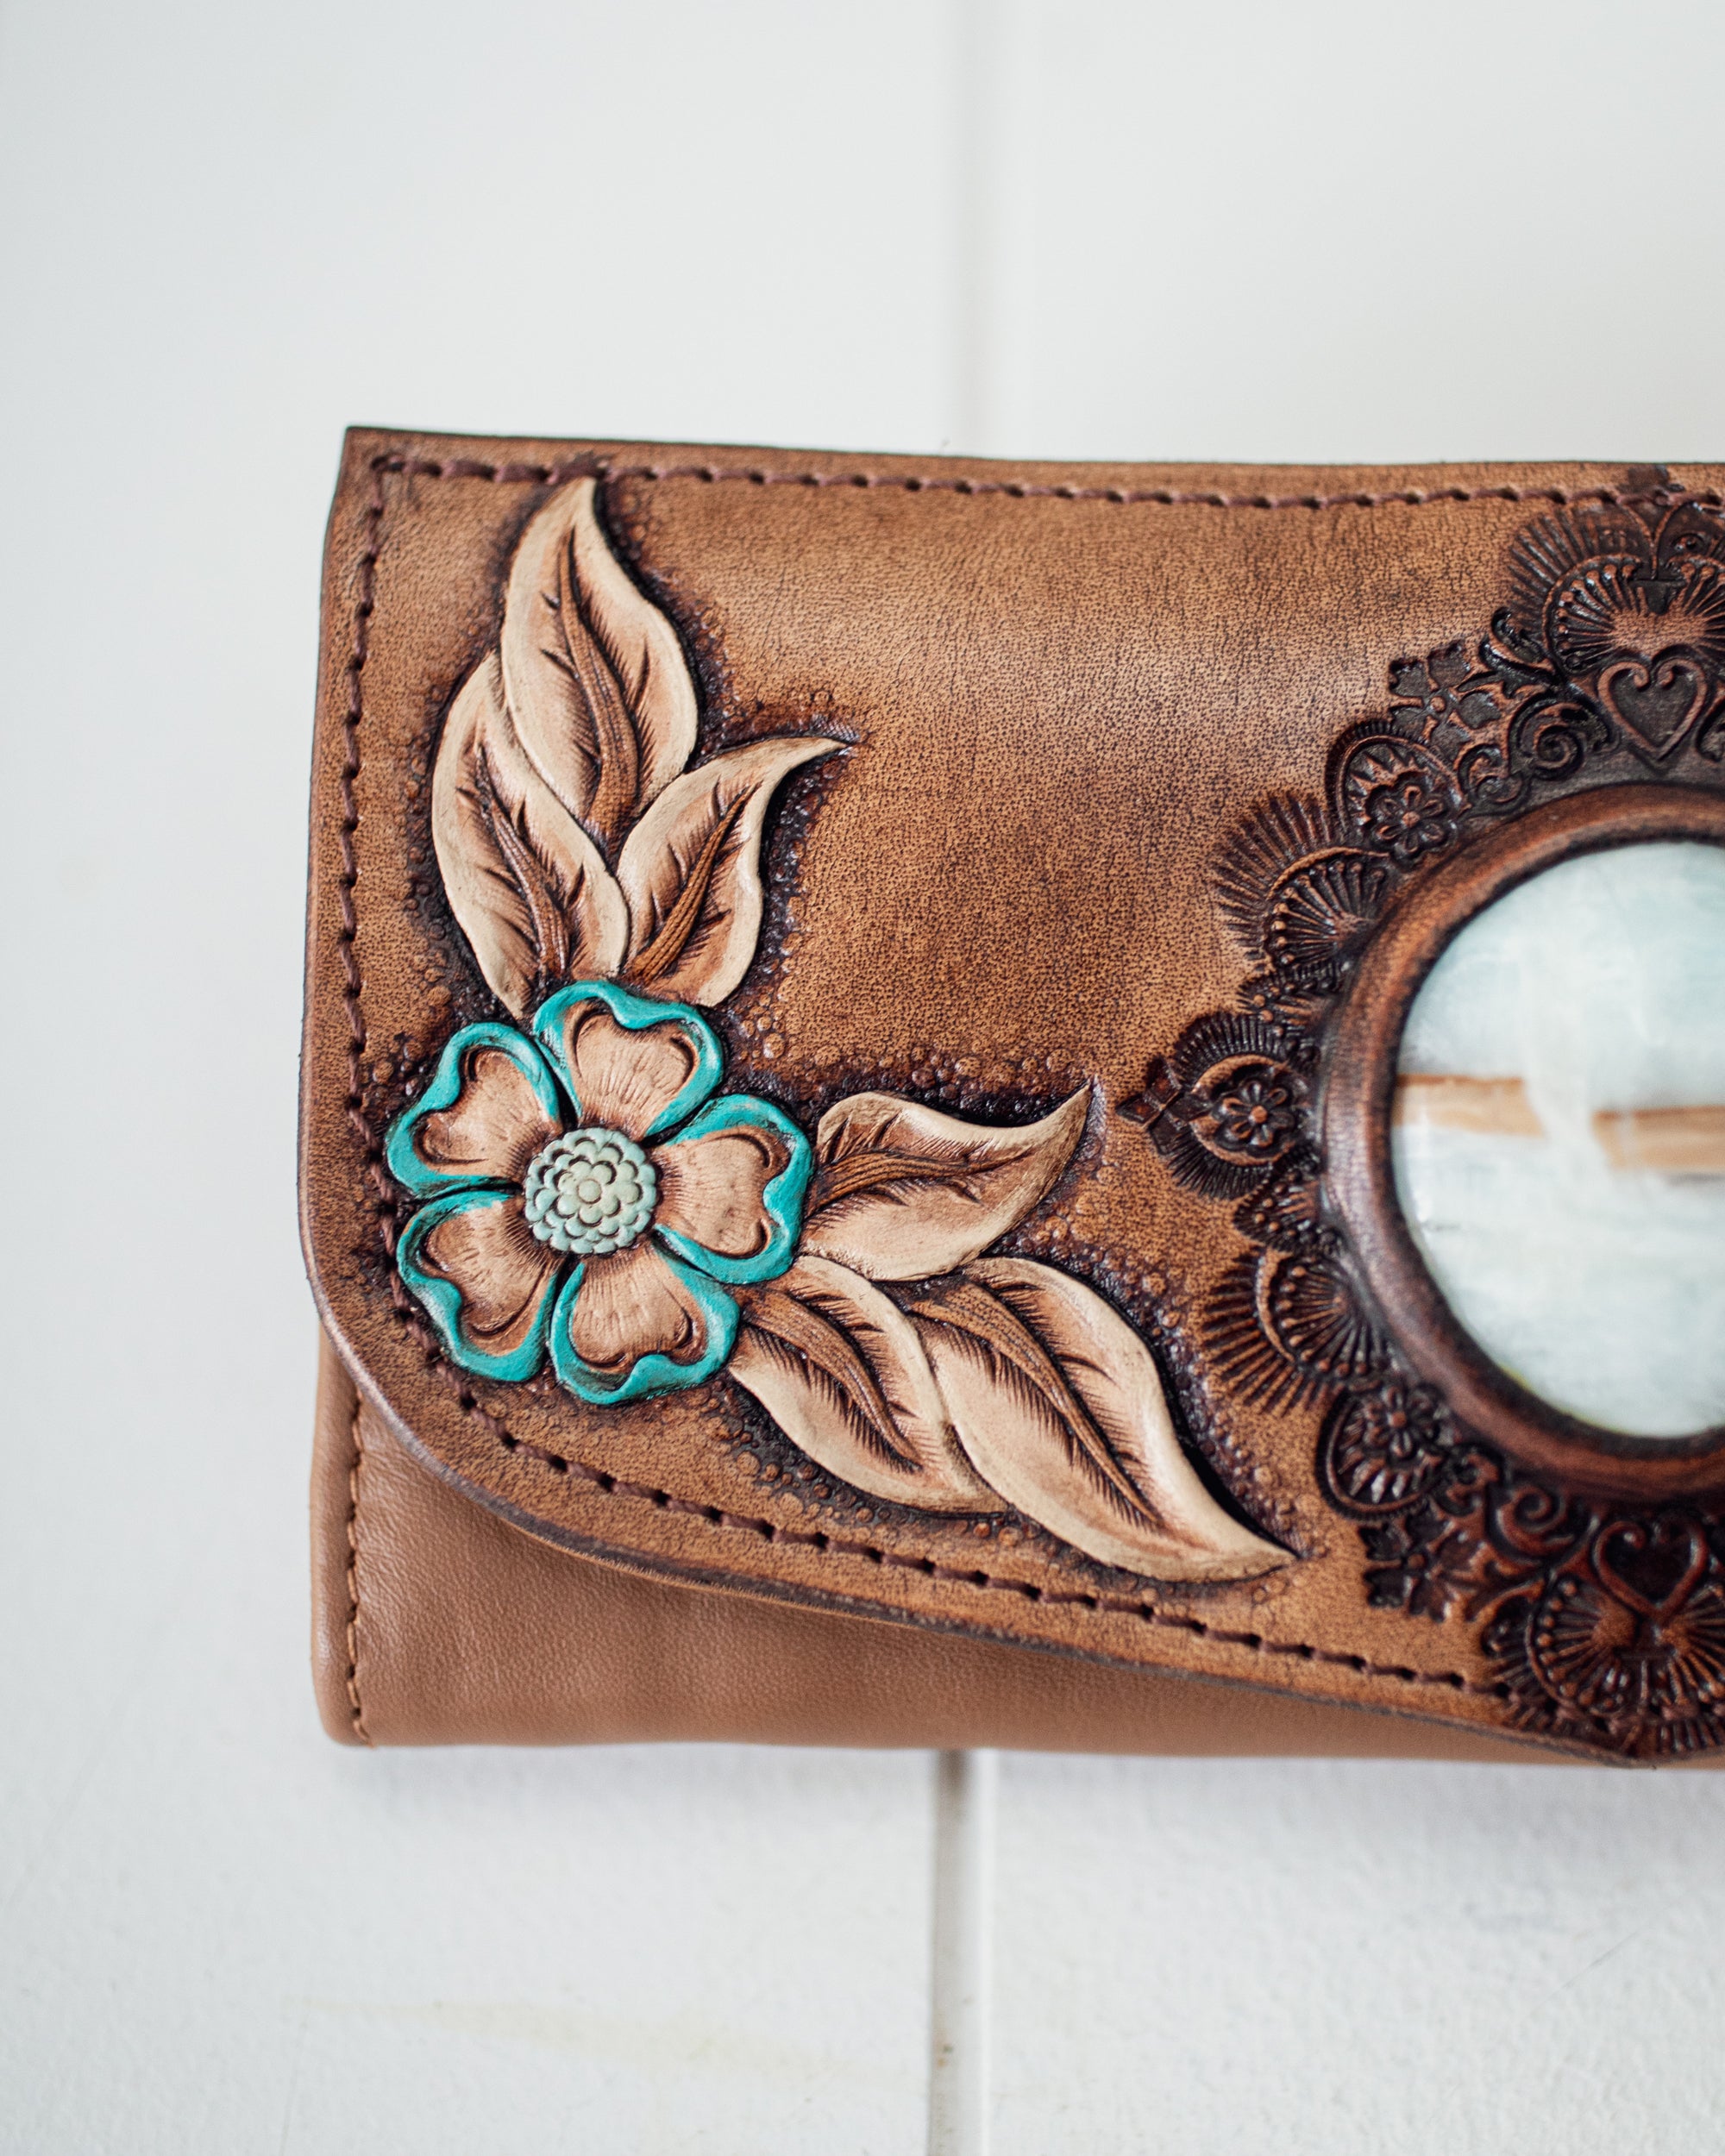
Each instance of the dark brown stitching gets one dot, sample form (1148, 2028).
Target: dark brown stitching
(826, 1544)
(1022, 490)
(609, 1485)
(354, 1711)
(347, 884)
(366, 585)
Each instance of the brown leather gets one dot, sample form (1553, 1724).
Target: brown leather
(435, 1623)
(1058, 690)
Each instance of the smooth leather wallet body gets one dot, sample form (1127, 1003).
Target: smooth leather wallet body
(851, 1045)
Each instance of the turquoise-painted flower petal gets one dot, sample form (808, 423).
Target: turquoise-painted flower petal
(487, 1280)
(748, 1194)
(490, 1105)
(631, 1308)
(625, 1062)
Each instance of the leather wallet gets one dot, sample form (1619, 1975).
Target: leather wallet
(851, 1056)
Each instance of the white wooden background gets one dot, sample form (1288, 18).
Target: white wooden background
(1272, 231)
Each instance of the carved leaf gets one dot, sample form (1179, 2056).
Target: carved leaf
(1059, 1404)
(690, 870)
(842, 1372)
(595, 678)
(901, 1191)
(529, 886)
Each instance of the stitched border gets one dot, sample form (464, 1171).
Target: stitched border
(1023, 490)
(613, 1486)
(347, 883)
(957, 1575)
(355, 1712)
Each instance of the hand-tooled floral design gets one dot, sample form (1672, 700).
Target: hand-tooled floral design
(587, 1196)
(592, 1191)
(1227, 1103)
(1383, 1448)
(584, 1195)
(1407, 818)
(1258, 1113)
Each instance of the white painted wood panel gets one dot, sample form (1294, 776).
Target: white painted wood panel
(1263, 1957)
(1370, 233)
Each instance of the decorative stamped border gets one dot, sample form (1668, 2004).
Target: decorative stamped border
(1602, 1615)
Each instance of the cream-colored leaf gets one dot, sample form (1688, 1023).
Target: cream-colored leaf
(527, 884)
(593, 675)
(842, 1372)
(690, 870)
(1060, 1406)
(901, 1192)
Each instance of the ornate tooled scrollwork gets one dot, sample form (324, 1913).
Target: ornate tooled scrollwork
(1228, 1105)
(1288, 1326)
(1605, 1622)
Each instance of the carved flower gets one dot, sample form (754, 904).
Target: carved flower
(1257, 1113)
(1384, 1448)
(590, 1199)
(1409, 817)
(1228, 1103)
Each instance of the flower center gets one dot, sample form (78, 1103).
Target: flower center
(591, 1192)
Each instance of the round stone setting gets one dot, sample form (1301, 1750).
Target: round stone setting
(591, 1192)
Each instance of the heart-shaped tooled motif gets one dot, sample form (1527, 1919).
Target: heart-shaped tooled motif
(1674, 1556)
(1656, 700)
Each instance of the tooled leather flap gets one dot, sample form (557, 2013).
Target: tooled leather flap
(820, 976)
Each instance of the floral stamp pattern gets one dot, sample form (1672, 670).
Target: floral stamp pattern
(586, 1197)
(1605, 1622)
